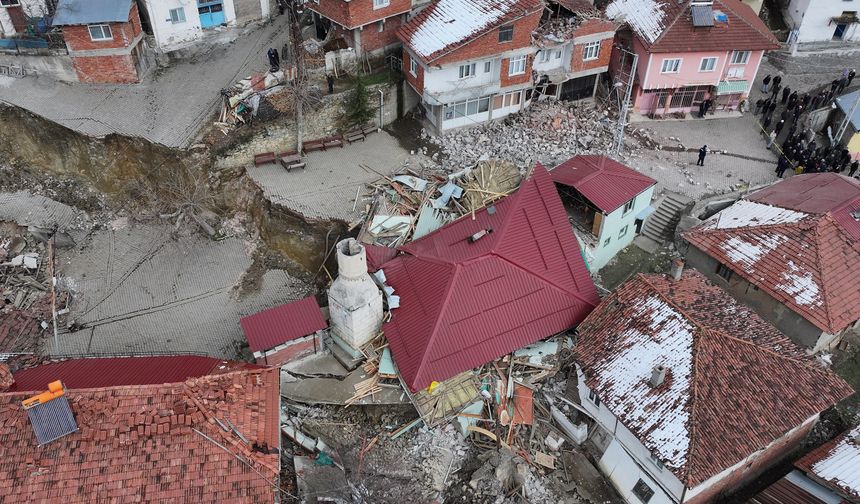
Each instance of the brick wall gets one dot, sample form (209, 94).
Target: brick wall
(488, 44)
(372, 39)
(754, 468)
(297, 349)
(512, 80)
(78, 37)
(605, 54)
(416, 81)
(105, 69)
(358, 12)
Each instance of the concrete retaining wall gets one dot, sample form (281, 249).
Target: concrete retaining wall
(55, 67)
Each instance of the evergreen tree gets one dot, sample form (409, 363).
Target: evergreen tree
(357, 109)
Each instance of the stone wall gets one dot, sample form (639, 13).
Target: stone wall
(322, 122)
(57, 67)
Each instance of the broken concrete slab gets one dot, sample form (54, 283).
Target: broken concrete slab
(321, 483)
(590, 484)
(43, 215)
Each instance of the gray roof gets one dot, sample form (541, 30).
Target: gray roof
(846, 103)
(81, 12)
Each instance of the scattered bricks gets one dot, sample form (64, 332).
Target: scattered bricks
(187, 420)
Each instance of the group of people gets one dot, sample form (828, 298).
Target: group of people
(799, 150)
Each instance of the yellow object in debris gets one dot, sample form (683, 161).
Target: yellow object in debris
(432, 386)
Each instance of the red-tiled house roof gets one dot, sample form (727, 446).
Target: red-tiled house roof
(119, 371)
(800, 250)
(446, 25)
(463, 303)
(270, 328)
(605, 182)
(148, 443)
(665, 26)
(721, 357)
(836, 464)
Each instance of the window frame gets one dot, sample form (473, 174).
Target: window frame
(521, 60)
(558, 53)
(659, 465)
(746, 57)
(413, 66)
(380, 25)
(594, 398)
(587, 49)
(177, 20)
(488, 66)
(628, 207)
(607, 241)
(724, 272)
(713, 67)
(10, 3)
(467, 71)
(644, 495)
(545, 55)
(677, 66)
(506, 34)
(623, 232)
(381, 4)
(101, 27)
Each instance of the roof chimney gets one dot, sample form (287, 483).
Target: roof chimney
(658, 374)
(6, 379)
(676, 269)
(50, 414)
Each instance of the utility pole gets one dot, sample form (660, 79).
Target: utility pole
(298, 59)
(624, 80)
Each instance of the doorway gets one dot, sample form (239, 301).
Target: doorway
(840, 31)
(211, 13)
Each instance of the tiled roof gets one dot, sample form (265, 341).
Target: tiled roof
(118, 371)
(778, 240)
(785, 491)
(150, 443)
(667, 26)
(463, 304)
(721, 357)
(603, 181)
(836, 464)
(270, 328)
(446, 25)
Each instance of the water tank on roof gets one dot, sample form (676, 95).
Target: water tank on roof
(720, 16)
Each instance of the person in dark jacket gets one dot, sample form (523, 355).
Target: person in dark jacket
(851, 75)
(702, 153)
(758, 104)
(778, 127)
(806, 99)
(777, 80)
(854, 166)
(792, 99)
(774, 90)
(765, 84)
(274, 59)
(786, 91)
(771, 107)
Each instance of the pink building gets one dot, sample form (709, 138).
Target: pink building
(690, 51)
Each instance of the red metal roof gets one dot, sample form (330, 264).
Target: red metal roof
(720, 357)
(120, 371)
(463, 304)
(785, 492)
(151, 443)
(270, 328)
(377, 255)
(806, 256)
(605, 182)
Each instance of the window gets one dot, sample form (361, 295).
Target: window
(591, 51)
(656, 462)
(177, 15)
(381, 26)
(558, 54)
(545, 55)
(592, 396)
(506, 33)
(488, 66)
(378, 4)
(672, 65)
(708, 64)
(740, 57)
(517, 65)
(100, 32)
(629, 206)
(724, 271)
(642, 491)
(467, 70)
(606, 243)
(413, 67)
(623, 231)
(9, 3)
(467, 108)
(736, 72)
(506, 100)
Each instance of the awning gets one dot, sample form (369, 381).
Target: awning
(732, 87)
(845, 19)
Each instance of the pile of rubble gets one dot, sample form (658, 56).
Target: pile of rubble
(549, 132)
(241, 102)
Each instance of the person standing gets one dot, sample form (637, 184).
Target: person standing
(771, 107)
(778, 128)
(758, 104)
(777, 80)
(851, 75)
(274, 59)
(775, 91)
(702, 153)
(806, 99)
(330, 81)
(781, 166)
(702, 108)
(843, 83)
(854, 166)
(770, 139)
(765, 83)
(792, 99)
(786, 91)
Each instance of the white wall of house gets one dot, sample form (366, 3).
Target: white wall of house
(624, 473)
(813, 19)
(617, 231)
(169, 35)
(559, 58)
(445, 83)
(6, 28)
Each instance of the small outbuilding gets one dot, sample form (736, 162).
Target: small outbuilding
(285, 333)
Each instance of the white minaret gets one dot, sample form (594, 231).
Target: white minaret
(354, 300)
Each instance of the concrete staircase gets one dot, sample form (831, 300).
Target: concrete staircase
(660, 225)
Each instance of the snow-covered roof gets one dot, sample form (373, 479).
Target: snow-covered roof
(750, 213)
(719, 356)
(837, 464)
(645, 17)
(448, 24)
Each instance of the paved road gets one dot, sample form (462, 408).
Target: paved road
(169, 108)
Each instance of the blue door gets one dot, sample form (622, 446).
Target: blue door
(211, 13)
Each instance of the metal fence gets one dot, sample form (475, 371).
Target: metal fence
(46, 43)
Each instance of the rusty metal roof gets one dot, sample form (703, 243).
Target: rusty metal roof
(272, 327)
(605, 182)
(464, 303)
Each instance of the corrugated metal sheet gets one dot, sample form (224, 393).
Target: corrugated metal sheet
(606, 183)
(81, 12)
(119, 371)
(52, 420)
(785, 492)
(464, 304)
(272, 327)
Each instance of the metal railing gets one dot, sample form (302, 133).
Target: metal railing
(45, 43)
